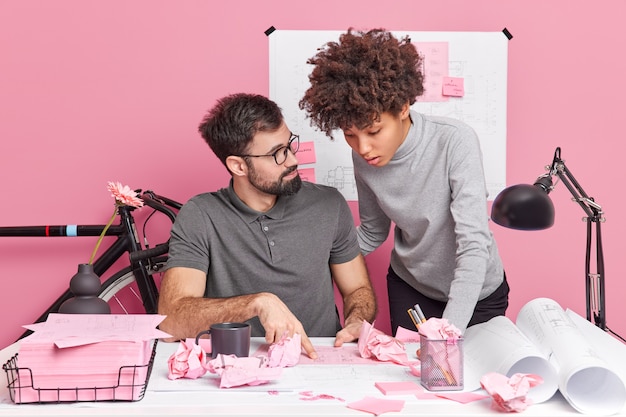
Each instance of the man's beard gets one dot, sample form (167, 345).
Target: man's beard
(278, 188)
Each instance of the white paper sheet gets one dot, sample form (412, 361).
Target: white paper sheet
(547, 341)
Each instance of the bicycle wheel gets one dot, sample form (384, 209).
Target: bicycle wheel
(121, 291)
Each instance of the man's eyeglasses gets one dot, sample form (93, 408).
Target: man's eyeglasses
(280, 154)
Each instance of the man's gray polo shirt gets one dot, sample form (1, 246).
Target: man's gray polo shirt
(285, 251)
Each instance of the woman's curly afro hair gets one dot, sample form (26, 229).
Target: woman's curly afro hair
(360, 77)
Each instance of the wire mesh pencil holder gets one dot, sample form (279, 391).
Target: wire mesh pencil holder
(132, 381)
(441, 364)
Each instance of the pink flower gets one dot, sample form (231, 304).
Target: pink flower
(124, 196)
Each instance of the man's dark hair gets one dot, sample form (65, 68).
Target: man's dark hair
(231, 124)
(360, 77)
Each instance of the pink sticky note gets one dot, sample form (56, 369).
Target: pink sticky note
(435, 67)
(453, 86)
(377, 406)
(426, 395)
(306, 153)
(399, 387)
(462, 397)
(307, 174)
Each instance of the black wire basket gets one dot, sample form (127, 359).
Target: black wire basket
(132, 382)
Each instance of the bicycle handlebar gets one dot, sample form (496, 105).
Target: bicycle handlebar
(159, 203)
(160, 249)
(163, 205)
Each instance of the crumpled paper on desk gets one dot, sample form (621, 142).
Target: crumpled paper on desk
(439, 329)
(509, 394)
(235, 372)
(190, 361)
(374, 343)
(286, 352)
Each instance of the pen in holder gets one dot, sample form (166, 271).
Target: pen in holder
(441, 364)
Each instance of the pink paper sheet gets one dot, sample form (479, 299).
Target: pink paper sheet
(377, 406)
(76, 357)
(462, 397)
(399, 387)
(329, 355)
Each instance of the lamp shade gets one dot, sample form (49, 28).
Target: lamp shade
(523, 207)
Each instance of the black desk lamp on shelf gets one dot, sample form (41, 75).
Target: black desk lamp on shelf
(528, 207)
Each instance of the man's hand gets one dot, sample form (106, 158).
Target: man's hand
(348, 334)
(278, 320)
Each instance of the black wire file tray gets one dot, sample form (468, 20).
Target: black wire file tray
(132, 381)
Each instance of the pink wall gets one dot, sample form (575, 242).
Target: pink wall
(92, 91)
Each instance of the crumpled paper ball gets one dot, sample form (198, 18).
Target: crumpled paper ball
(374, 343)
(438, 329)
(286, 352)
(188, 361)
(223, 362)
(234, 371)
(509, 394)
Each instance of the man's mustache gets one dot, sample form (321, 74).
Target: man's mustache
(289, 171)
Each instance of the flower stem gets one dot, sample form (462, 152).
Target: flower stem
(104, 231)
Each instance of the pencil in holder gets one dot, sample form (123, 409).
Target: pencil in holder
(441, 364)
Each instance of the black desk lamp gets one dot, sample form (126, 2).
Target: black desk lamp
(528, 207)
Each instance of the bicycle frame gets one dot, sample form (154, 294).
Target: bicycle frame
(127, 241)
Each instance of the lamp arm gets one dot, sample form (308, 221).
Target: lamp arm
(592, 209)
(594, 283)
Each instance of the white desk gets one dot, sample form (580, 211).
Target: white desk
(203, 397)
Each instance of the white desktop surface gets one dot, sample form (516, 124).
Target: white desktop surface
(203, 397)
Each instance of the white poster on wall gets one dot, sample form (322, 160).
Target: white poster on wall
(478, 60)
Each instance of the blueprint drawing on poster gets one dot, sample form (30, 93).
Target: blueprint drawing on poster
(479, 59)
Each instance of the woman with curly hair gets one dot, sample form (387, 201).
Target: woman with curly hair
(421, 172)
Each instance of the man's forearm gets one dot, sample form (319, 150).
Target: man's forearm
(360, 305)
(189, 316)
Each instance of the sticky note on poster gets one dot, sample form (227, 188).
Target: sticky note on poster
(434, 67)
(453, 87)
(307, 174)
(306, 153)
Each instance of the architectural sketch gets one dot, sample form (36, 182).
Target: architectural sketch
(480, 58)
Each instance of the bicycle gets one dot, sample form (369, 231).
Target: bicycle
(145, 263)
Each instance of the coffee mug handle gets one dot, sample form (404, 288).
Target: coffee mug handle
(200, 334)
